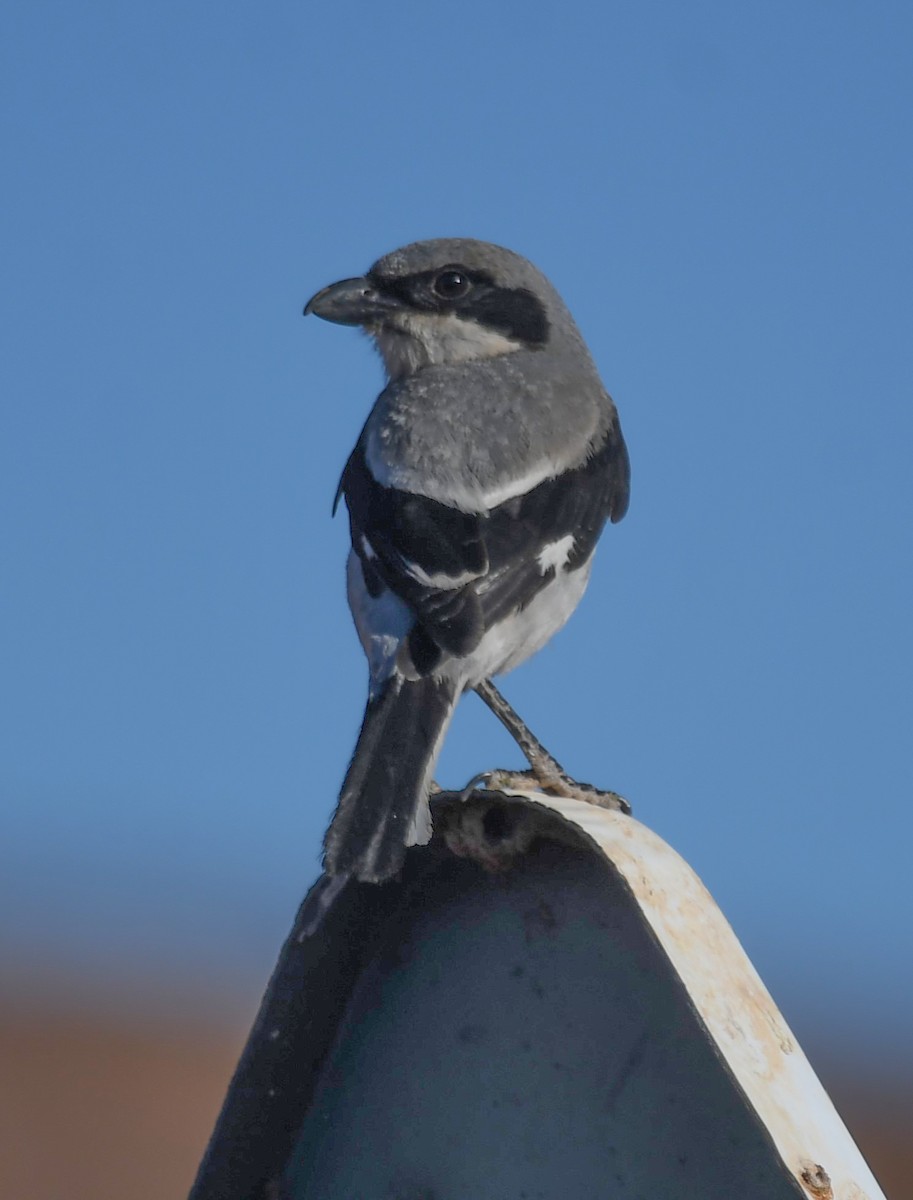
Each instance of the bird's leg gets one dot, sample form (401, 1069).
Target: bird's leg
(545, 771)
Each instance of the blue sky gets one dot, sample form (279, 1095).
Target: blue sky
(723, 194)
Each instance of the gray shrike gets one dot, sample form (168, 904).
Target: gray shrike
(477, 491)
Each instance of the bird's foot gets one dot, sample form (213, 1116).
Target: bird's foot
(551, 783)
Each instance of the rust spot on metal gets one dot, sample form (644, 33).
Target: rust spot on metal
(816, 1181)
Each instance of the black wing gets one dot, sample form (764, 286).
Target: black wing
(460, 572)
(577, 504)
(426, 552)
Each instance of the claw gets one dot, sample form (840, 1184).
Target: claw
(483, 777)
(500, 780)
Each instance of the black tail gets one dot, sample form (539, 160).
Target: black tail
(383, 805)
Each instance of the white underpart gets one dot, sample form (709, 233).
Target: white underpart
(383, 624)
(432, 339)
(556, 554)
(519, 636)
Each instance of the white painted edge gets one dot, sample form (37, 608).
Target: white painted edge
(732, 1002)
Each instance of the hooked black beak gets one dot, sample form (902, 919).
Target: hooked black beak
(350, 302)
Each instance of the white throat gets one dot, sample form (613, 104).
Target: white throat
(430, 339)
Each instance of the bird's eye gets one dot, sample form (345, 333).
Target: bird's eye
(452, 284)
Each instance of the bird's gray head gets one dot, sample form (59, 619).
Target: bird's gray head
(450, 300)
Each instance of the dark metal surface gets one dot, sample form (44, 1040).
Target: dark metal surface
(304, 1002)
(469, 1034)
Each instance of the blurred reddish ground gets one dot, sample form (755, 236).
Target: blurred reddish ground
(89, 1111)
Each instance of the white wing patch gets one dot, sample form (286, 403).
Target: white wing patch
(438, 580)
(556, 554)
